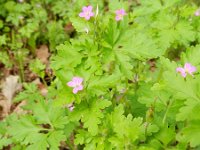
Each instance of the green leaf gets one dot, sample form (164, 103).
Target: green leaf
(46, 113)
(40, 143)
(55, 138)
(90, 115)
(99, 84)
(182, 88)
(115, 5)
(124, 63)
(148, 8)
(185, 31)
(25, 130)
(37, 67)
(67, 57)
(4, 141)
(167, 37)
(28, 29)
(191, 55)
(191, 134)
(80, 24)
(31, 94)
(125, 126)
(4, 58)
(2, 40)
(56, 34)
(139, 46)
(190, 111)
(166, 135)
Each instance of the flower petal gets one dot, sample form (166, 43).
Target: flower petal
(77, 80)
(189, 68)
(85, 9)
(87, 17)
(75, 90)
(120, 12)
(182, 71)
(197, 13)
(80, 87)
(117, 12)
(91, 14)
(82, 14)
(89, 8)
(118, 18)
(71, 84)
(193, 69)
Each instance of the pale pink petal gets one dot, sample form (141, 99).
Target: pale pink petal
(197, 13)
(182, 71)
(192, 69)
(91, 14)
(87, 17)
(118, 18)
(89, 8)
(76, 83)
(82, 14)
(75, 90)
(71, 84)
(84, 9)
(71, 108)
(77, 80)
(117, 12)
(86, 12)
(122, 12)
(187, 66)
(80, 87)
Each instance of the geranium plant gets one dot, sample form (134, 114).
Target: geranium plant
(128, 79)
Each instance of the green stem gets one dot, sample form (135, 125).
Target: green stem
(166, 112)
(146, 127)
(45, 83)
(70, 145)
(21, 66)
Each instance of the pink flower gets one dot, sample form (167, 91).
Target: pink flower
(86, 12)
(197, 13)
(188, 69)
(71, 107)
(76, 83)
(120, 13)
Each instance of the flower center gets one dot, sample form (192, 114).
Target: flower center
(87, 13)
(186, 70)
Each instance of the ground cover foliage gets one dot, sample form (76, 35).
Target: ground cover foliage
(100, 74)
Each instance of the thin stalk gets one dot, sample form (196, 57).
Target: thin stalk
(70, 145)
(18, 56)
(21, 67)
(45, 83)
(167, 110)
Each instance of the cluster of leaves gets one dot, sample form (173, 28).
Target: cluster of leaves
(25, 25)
(132, 96)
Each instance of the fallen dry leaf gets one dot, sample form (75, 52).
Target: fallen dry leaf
(42, 54)
(3, 106)
(9, 87)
